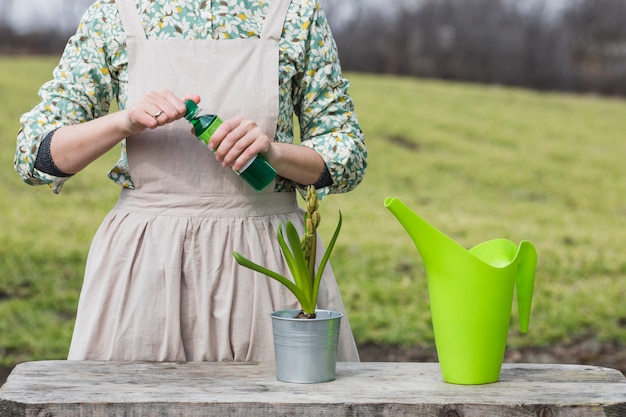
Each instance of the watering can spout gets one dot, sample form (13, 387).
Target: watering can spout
(429, 241)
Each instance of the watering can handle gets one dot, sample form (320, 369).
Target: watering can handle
(525, 281)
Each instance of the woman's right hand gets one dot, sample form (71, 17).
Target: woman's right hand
(156, 108)
(76, 146)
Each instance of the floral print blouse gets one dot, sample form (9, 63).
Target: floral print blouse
(92, 73)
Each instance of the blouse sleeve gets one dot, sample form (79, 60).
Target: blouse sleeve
(326, 114)
(81, 90)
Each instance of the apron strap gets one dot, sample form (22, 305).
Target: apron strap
(275, 19)
(130, 19)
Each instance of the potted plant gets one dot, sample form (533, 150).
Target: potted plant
(305, 340)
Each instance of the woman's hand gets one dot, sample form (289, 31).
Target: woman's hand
(237, 140)
(156, 108)
(76, 146)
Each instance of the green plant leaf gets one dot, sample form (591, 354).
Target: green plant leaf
(325, 258)
(289, 256)
(243, 261)
(301, 274)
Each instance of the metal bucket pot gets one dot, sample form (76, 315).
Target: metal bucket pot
(306, 349)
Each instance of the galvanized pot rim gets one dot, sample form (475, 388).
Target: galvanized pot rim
(291, 314)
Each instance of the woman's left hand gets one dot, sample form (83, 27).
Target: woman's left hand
(237, 140)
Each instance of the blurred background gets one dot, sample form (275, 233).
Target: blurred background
(565, 45)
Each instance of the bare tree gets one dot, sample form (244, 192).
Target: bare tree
(512, 42)
(487, 41)
(597, 43)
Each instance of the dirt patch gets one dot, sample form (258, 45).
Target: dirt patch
(586, 351)
(4, 373)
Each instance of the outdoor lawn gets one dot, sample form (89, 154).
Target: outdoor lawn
(478, 162)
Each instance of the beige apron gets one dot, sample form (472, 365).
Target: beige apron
(160, 282)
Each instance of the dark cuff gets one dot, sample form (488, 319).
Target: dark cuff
(44, 162)
(325, 179)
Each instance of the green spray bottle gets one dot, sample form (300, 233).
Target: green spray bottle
(257, 171)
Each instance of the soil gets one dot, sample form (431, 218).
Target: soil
(586, 351)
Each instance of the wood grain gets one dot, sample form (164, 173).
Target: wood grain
(76, 388)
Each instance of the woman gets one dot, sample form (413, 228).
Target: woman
(160, 281)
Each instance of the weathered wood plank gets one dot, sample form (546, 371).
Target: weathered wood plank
(66, 388)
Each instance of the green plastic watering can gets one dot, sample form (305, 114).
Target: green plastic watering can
(471, 296)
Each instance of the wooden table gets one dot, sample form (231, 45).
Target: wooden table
(67, 388)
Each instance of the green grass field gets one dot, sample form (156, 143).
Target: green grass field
(478, 162)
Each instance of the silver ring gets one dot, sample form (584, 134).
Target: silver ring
(156, 116)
